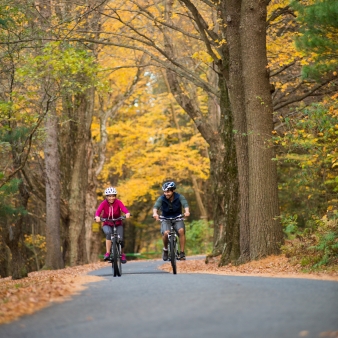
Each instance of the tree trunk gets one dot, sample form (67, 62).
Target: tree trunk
(15, 232)
(224, 178)
(52, 158)
(5, 254)
(231, 10)
(265, 231)
(93, 230)
(79, 177)
(54, 258)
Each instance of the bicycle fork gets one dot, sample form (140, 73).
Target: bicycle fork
(175, 247)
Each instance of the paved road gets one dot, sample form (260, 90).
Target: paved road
(148, 303)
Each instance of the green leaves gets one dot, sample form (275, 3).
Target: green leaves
(319, 37)
(74, 70)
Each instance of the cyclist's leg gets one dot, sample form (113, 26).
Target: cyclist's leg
(120, 232)
(165, 229)
(180, 229)
(108, 230)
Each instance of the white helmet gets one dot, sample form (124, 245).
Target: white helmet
(110, 191)
(169, 186)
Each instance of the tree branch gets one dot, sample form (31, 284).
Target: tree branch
(29, 142)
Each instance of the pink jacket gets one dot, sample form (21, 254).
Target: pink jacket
(106, 210)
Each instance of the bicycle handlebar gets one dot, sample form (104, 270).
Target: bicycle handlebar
(171, 218)
(112, 219)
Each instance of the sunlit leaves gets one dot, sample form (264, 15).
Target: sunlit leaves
(147, 149)
(72, 68)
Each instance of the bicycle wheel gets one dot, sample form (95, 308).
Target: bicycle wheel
(115, 258)
(173, 254)
(118, 260)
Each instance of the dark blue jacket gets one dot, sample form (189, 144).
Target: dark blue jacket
(171, 209)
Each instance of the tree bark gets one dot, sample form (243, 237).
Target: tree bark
(14, 236)
(224, 176)
(79, 177)
(54, 259)
(231, 10)
(265, 231)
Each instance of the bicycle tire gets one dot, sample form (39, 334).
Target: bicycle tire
(115, 256)
(119, 262)
(173, 254)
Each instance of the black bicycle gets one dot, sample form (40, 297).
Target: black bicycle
(173, 252)
(116, 248)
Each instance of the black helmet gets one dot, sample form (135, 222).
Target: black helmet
(168, 186)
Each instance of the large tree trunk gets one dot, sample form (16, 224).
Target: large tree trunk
(83, 106)
(54, 258)
(231, 10)
(265, 230)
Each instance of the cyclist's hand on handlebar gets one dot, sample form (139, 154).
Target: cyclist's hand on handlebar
(128, 215)
(97, 219)
(186, 214)
(156, 216)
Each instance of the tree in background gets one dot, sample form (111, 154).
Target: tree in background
(308, 148)
(318, 37)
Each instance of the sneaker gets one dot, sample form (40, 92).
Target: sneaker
(165, 255)
(182, 256)
(123, 259)
(106, 256)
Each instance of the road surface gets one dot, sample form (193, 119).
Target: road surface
(149, 303)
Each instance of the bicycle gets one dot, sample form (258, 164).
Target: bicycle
(116, 249)
(173, 252)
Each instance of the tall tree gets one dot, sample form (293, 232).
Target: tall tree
(54, 259)
(265, 231)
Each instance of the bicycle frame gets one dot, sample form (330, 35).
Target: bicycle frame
(173, 240)
(116, 249)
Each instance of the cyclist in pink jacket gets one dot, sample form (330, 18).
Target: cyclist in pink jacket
(111, 207)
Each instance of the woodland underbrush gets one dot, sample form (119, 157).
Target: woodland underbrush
(315, 247)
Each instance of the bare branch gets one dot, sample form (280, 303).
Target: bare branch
(280, 11)
(203, 28)
(297, 98)
(280, 70)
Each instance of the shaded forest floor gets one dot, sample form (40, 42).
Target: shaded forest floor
(42, 288)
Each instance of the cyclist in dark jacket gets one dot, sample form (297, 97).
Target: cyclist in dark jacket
(171, 204)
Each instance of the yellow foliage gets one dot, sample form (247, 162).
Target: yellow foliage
(145, 148)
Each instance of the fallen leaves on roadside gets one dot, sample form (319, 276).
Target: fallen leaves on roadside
(272, 266)
(41, 288)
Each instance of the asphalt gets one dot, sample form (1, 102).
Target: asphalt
(146, 302)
